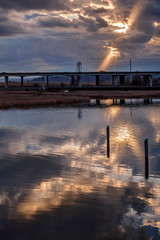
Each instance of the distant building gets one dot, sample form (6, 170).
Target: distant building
(79, 67)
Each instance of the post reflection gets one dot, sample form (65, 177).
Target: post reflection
(59, 170)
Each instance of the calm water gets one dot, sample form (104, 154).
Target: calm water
(56, 181)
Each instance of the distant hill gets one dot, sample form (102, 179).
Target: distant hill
(84, 78)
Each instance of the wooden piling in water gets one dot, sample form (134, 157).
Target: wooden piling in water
(146, 158)
(108, 142)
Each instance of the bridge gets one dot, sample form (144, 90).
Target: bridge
(118, 78)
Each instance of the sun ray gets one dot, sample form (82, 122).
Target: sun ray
(109, 59)
(136, 12)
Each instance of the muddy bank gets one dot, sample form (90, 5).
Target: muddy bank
(10, 99)
(119, 94)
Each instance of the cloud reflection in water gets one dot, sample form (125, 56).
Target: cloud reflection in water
(58, 165)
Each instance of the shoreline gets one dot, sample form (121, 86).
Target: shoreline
(29, 99)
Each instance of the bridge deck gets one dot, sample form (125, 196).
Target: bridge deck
(26, 74)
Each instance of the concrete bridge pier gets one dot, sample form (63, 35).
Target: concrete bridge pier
(72, 80)
(79, 81)
(47, 78)
(114, 80)
(130, 79)
(22, 78)
(6, 81)
(97, 80)
(43, 87)
(122, 80)
(150, 81)
(146, 80)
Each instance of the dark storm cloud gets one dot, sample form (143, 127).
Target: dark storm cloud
(51, 22)
(34, 4)
(3, 19)
(129, 45)
(10, 30)
(149, 14)
(125, 4)
(138, 39)
(95, 11)
(9, 27)
(93, 25)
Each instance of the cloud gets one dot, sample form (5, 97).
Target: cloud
(34, 4)
(76, 30)
(93, 25)
(52, 22)
(92, 11)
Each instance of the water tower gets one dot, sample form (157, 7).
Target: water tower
(79, 67)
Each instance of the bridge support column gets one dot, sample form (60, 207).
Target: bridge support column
(79, 81)
(114, 80)
(150, 81)
(6, 81)
(43, 87)
(47, 78)
(122, 80)
(130, 79)
(97, 80)
(146, 80)
(21, 81)
(72, 80)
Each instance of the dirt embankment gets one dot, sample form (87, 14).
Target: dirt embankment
(10, 99)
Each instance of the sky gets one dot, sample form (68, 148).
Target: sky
(53, 35)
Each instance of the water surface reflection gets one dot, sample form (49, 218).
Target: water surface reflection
(56, 181)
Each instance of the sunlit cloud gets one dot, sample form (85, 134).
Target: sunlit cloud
(71, 17)
(109, 6)
(156, 24)
(122, 27)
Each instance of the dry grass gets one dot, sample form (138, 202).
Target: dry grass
(10, 99)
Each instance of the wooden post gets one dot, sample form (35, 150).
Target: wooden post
(146, 158)
(108, 142)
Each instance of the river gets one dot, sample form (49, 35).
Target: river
(57, 182)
